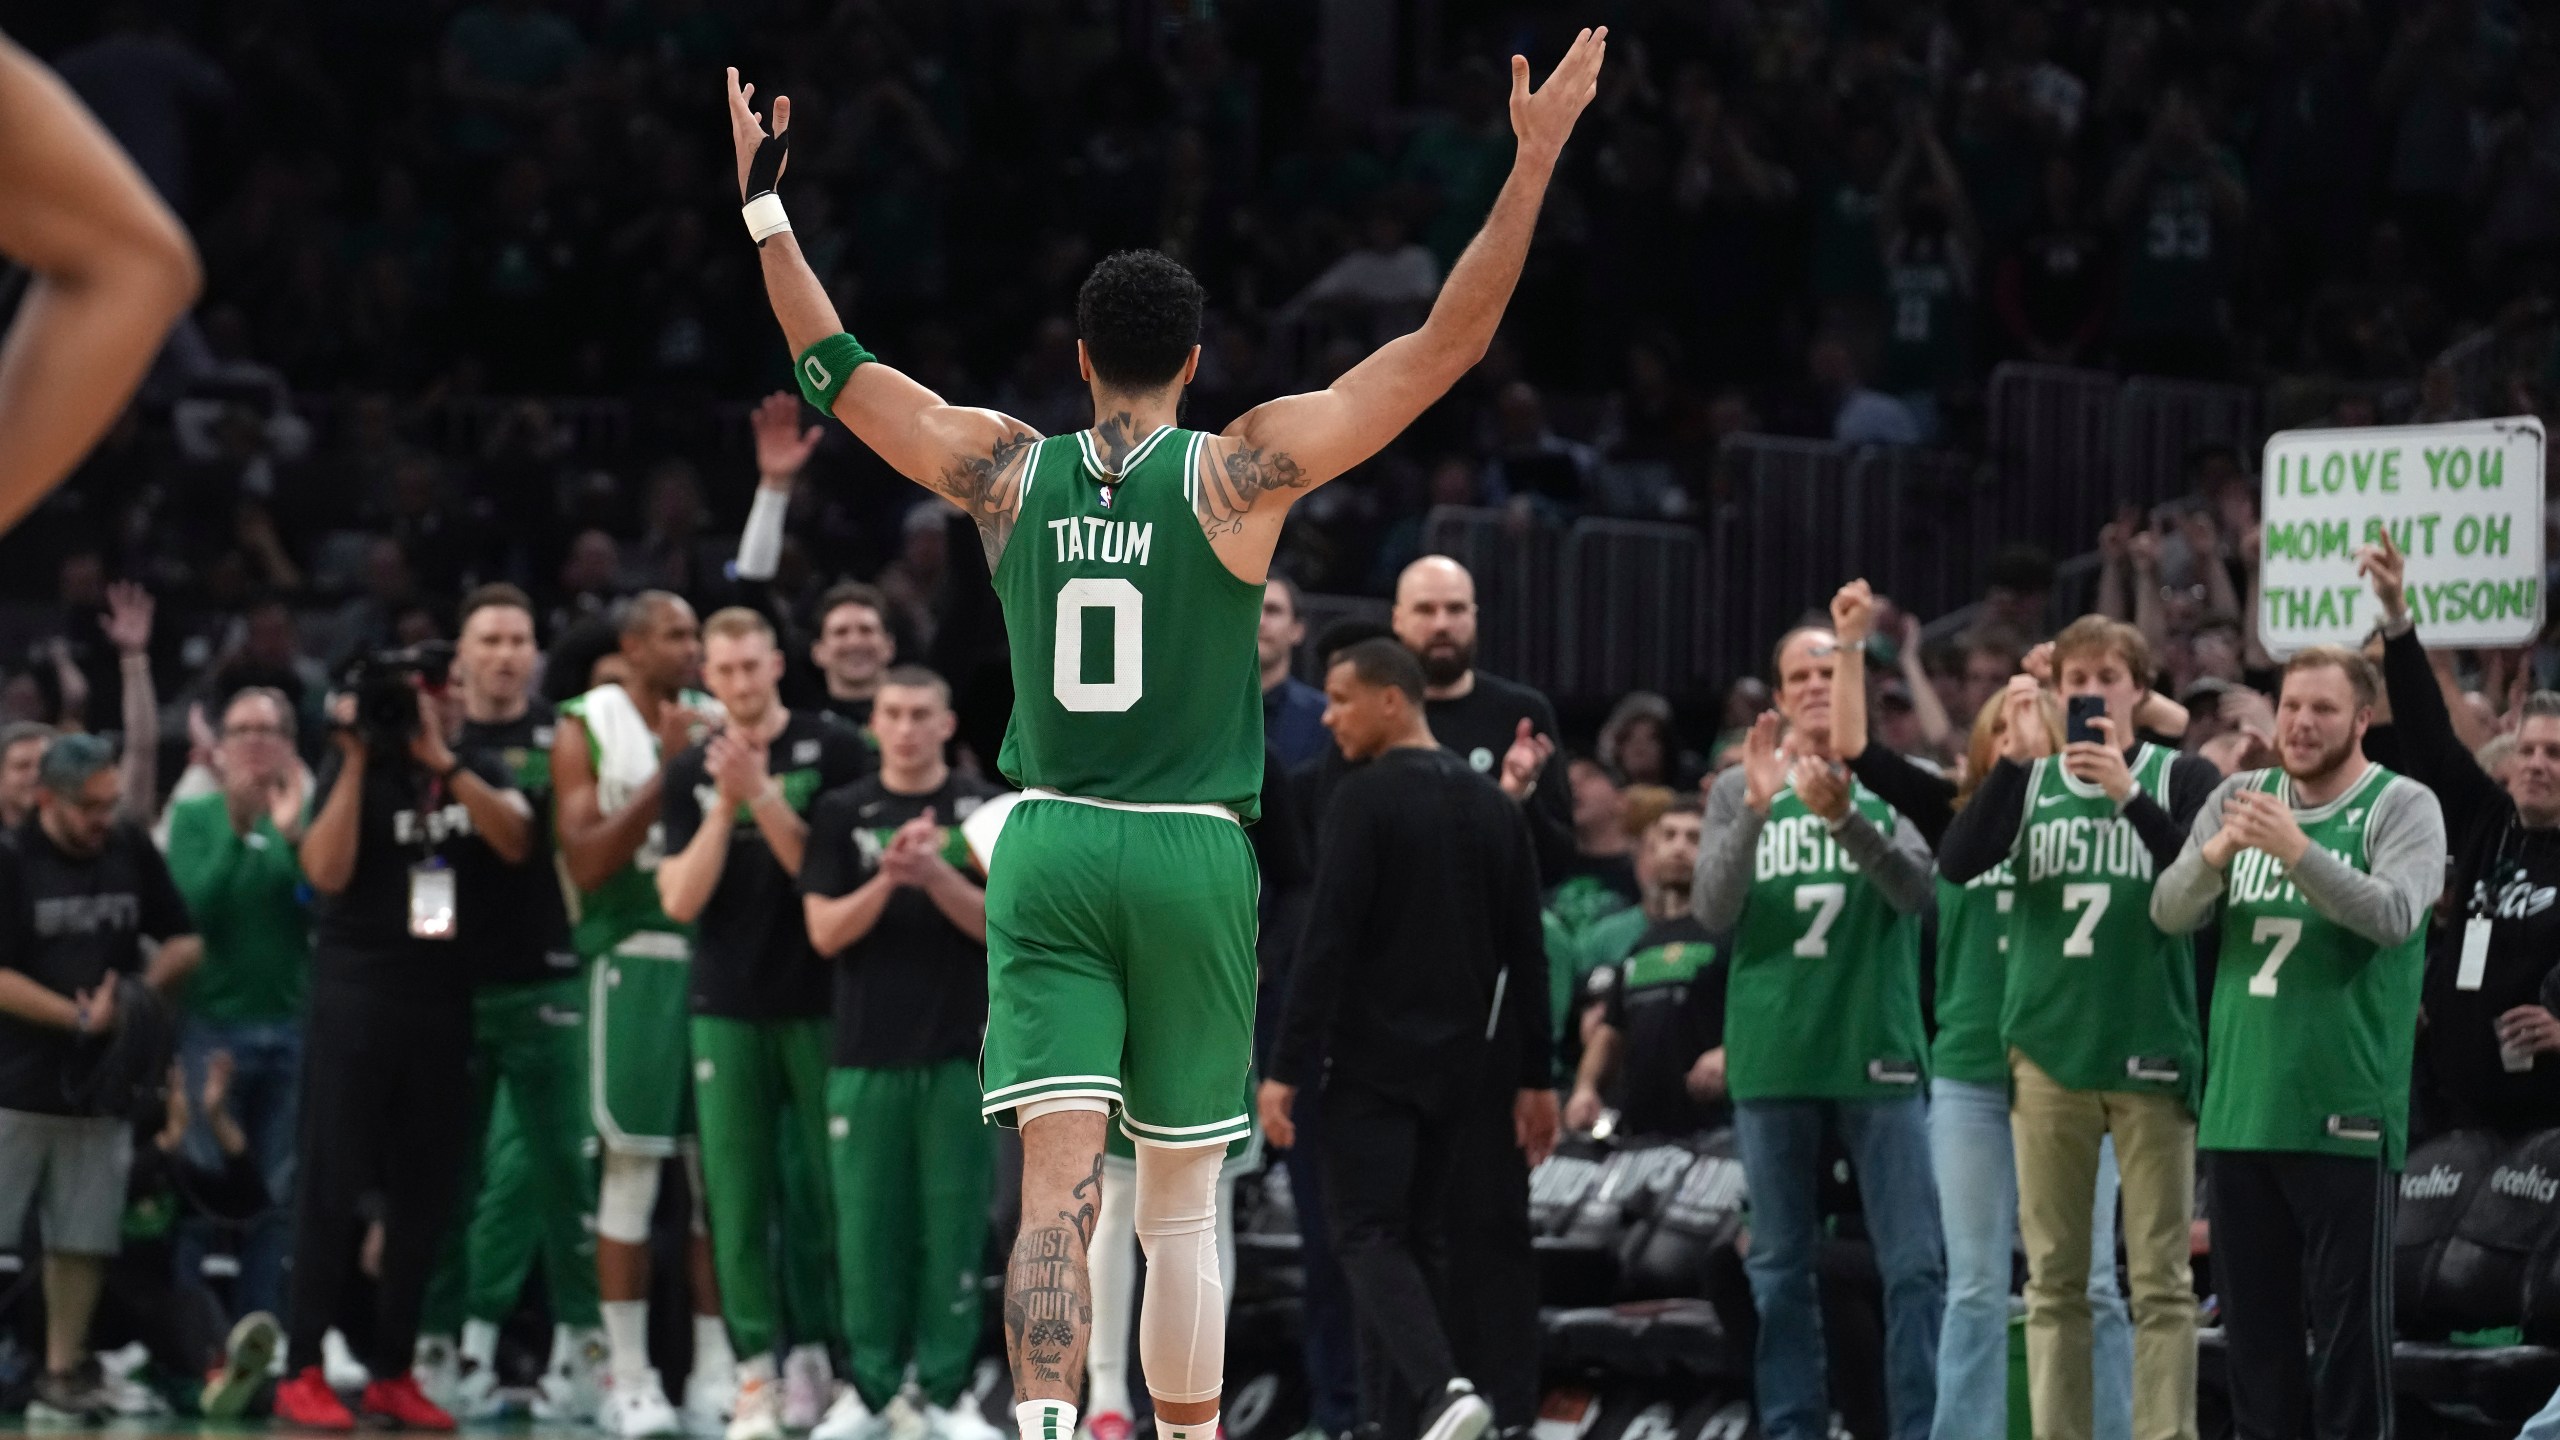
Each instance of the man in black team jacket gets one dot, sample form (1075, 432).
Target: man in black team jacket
(2485, 1053)
(1426, 891)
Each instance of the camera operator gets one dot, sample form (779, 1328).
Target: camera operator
(387, 1062)
(78, 892)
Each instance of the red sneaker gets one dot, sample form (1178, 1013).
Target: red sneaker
(305, 1402)
(404, 1405)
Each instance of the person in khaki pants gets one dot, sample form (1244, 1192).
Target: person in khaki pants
(2099, 1016)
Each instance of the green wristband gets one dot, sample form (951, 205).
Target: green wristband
(824, 368)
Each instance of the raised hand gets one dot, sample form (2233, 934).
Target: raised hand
(1853, 613)
(2388, 569)
(2256, 820)
(1543, 118)
(2022, 711)
(1764, 770)
(782, 447)
(128, 622)
(747, 135)
(736, 765)
(1522, 763)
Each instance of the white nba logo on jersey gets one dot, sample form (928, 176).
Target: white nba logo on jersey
(1107, 492)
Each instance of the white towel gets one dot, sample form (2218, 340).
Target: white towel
(626, 748)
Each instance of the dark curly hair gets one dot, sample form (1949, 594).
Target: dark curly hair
(1138, 314)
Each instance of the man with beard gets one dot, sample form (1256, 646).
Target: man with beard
(1657, 1057)
(2488, 1024)
(1491, 722)
(2325, 870)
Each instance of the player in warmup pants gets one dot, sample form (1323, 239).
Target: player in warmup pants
(736, 831)
(530, 1177)
(606, 759)
(890, 890)
(1130, 560)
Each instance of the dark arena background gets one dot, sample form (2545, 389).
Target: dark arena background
(1860, 347)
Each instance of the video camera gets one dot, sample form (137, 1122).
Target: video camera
(386, 685)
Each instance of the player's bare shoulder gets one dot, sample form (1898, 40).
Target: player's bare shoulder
(983, 457)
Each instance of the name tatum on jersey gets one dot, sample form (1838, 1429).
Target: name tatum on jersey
(1113, 542)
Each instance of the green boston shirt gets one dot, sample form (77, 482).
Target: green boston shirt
(2098, 997)
(249, 902)
(1822, 1000)
(1973, 966)
(2314, 1026)
(1135, 676)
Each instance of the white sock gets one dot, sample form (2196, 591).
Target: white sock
(755, 1368)
(711, 1353)
(1045, 1420)
(480, 1342)
(812, 1355)
(1204, 1430)
(626, 1336)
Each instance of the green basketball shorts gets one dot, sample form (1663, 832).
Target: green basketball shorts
(1120, 966)
(636, 1047)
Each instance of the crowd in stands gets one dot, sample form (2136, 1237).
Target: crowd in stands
(476, 314)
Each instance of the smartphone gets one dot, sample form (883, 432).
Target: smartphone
(2079, 719)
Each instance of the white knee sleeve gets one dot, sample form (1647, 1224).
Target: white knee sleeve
(1060, 1105)
(626, 1197)
(1111, 1259)
(1182, 1324)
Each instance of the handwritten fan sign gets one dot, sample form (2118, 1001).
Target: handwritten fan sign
(2463, 501)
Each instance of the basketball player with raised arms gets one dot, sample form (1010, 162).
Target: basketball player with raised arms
(1130, 560)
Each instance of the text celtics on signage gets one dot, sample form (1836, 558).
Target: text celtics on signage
(2463, 502)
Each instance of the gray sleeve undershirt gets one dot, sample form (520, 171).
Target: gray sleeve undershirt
(1897, 865)
(2385, 903)
(2404, 855)
(1729, 833)
(2184, 896)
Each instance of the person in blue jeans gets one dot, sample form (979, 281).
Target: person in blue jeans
(231, 852)
(1821, 883)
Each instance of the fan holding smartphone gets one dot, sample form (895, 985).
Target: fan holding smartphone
(2098, 1010)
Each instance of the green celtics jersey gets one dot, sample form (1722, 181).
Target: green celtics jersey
(627, 901)
(2098, 997)
(1823, 999)
(1134, 671)
(2314, 1026)
(1973, 967)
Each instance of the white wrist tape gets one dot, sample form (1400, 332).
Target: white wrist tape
(764, 216)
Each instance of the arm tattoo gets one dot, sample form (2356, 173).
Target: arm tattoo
(1230, 487)
(976, 483)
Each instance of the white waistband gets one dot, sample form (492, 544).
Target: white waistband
(654, 945)
(1214, 812)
